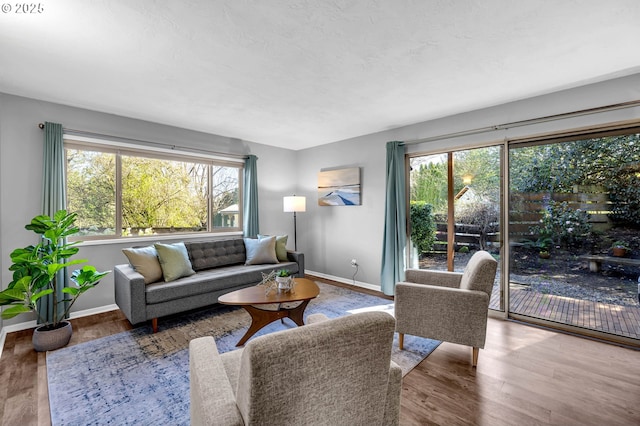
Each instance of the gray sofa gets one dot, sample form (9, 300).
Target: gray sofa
(219, 267)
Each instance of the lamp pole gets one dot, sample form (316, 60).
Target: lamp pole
(294, 204)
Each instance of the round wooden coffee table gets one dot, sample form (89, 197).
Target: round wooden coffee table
(251, 298)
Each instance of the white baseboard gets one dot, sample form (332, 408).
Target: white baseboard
(33, 324)
(345, 280)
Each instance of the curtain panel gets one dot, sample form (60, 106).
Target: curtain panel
(395, 220)
(250, 224)
(54, 198)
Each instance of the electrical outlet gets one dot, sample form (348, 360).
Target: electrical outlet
(354, 263)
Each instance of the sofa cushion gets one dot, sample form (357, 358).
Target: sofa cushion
(217, 253)
(174, 261)
(211, 280)
(260, 251)
(281, 246)
(145, 262)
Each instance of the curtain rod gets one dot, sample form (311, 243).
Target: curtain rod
(527, 122)
(156, 144)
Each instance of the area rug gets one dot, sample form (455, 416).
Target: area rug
(137, 377)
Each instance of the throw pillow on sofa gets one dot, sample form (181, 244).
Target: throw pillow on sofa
(145, 262)
(281, 246)
(174, 261)
(260, 251)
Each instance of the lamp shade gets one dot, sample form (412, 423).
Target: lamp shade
(294, 204)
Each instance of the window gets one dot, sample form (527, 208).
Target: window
(125, 193)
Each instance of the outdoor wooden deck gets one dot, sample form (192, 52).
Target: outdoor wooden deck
(615, 319)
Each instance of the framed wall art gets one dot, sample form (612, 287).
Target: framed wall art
(339, 187)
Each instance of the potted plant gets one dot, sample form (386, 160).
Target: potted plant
(283, 279)
(37, 272)
(619, 248)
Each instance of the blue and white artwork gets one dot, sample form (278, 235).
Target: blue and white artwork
(339, 187)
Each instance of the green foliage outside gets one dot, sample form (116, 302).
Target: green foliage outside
(423, 226)
(610, 162)
(482, 166)
(155, 193)
(429, 183)
(563, 226)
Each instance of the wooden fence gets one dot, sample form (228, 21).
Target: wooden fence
(526, 212)
(525, 208)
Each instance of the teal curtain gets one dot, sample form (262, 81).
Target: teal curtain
(395, 220)
(251, 223)
(54, 198)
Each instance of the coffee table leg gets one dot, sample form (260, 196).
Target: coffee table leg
(296, 314)
(260, 318)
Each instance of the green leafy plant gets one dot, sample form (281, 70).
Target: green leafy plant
(567, 227)
(423, 226)
(37, 270)
(282, 273)
(541, 244)
(620, 244)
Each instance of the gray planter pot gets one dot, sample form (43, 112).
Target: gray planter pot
(49, 340)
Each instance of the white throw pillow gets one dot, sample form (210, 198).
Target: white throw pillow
(145, 262)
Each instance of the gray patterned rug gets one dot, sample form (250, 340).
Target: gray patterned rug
(137, 377)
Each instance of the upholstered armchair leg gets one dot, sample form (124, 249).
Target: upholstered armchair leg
(401, 341)
(154, 324)
(476, 351)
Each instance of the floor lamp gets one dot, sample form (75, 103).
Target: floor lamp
(294, 204)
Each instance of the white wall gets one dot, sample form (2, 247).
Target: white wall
(21, 154)
(332, 236)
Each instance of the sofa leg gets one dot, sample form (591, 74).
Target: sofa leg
(154, 324)
(476, 351)
(401, 341)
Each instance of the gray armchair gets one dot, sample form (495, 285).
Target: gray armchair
(329, 372)
(447, 306)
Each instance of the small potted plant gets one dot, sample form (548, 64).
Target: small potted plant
(619, 248)
(283, 278)
(37, 273)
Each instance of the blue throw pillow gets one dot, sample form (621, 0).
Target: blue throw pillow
(260, 251)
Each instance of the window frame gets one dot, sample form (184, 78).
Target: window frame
(120, 149)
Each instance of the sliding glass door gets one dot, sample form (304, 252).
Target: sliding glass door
(571, 202)
(569, 247)
(455, 200)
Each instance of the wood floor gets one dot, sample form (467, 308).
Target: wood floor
(525, 376)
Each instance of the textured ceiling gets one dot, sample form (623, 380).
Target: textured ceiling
(297, 74)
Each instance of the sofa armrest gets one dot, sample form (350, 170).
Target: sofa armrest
(392, 405)
(441, 313)
(130, 293)
(431, 277)
(212, 398)
(298, 257)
